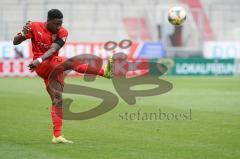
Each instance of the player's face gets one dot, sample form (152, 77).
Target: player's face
(54, 25)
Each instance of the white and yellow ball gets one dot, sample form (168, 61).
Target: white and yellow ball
(177, 15)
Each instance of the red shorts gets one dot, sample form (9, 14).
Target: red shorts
(47, 66)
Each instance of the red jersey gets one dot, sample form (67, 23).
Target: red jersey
(42, 38)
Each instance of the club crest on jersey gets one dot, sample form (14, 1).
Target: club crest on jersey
(39, 33)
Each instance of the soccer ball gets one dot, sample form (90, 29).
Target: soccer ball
(177, 15)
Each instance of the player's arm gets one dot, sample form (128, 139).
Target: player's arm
(58, 43)
(20, 37)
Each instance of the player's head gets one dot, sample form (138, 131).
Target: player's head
(54, 20)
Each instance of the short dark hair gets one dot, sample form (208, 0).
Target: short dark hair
(55, 13)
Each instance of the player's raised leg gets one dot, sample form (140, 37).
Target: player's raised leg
(88, 69)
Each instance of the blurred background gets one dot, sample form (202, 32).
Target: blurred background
(211, 31)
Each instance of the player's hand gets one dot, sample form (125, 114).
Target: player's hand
(26, 28)
(33, 65)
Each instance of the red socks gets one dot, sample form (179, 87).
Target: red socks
(56, 113)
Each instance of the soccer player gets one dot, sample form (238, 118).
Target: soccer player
(47, 38)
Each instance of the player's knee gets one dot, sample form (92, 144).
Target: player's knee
(57, 100)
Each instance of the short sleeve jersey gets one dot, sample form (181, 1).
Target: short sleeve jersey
(42, 38)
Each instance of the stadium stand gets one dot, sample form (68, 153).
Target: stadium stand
(94, 20)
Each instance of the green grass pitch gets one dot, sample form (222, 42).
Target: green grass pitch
(212, 133)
